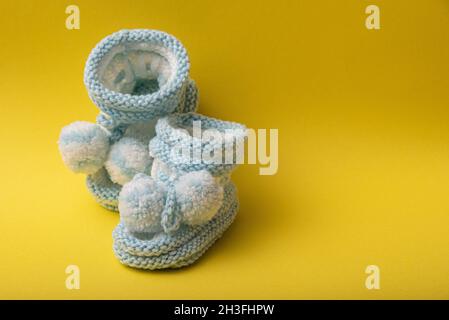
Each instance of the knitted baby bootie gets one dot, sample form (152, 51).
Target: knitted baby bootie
(169, 219)
(134, 77)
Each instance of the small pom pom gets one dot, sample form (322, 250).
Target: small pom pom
(84, 146)
(199, 196)
(127, 157)
(141, 202)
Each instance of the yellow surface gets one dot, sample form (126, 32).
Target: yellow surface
(363, 122)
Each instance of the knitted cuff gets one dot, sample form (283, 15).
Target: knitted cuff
(137, 75)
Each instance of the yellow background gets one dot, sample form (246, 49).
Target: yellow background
(363, 123)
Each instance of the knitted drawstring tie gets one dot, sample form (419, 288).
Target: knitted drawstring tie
(133, 77)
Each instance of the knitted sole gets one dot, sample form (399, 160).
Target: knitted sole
(180, 249)
(103, 189)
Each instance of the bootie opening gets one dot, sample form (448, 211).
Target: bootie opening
(137, 68)
(137, 75)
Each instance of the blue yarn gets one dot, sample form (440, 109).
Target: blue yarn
(183, 239)
(170, 219)
(168, 136)
(171, 216)
(164, 250)
(84, 146)
(128, 108)
(153, 94)
(103, 189)
(141, 203)
(119, 166)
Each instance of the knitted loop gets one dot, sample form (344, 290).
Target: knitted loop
(171, 215)
(115, 129)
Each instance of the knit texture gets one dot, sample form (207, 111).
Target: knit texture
(134, 77)
(133, 58)
(199, 204)
(162, 250)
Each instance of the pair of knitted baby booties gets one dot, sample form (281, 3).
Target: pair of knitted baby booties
(142, 156)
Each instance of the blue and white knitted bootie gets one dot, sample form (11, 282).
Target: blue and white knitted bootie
(134, 77)
(170, 219)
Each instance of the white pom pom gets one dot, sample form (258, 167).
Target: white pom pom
(141, 202)
(84, 146)
(199, 196)
(127, 157)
